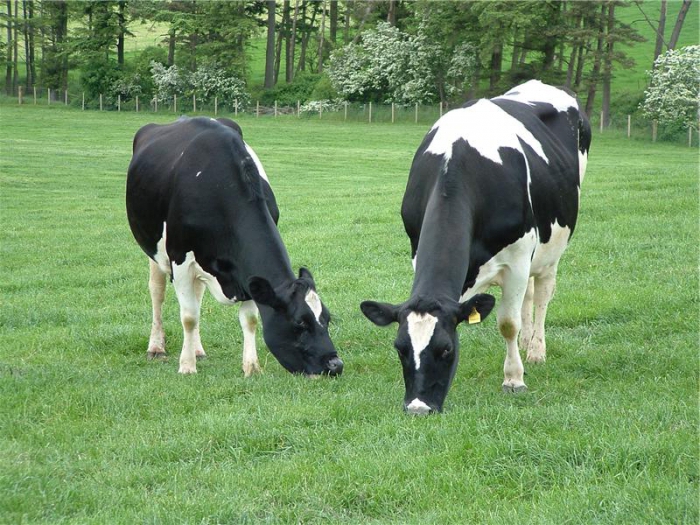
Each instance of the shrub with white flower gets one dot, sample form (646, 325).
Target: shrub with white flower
(168, 81)
(673, 97)
(210, 81)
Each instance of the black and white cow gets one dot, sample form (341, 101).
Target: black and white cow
(200, 205)
(492, 198)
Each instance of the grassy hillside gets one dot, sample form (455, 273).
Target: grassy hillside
(91, 432)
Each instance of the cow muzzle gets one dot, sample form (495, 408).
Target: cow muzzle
(334, 366)
(419, 408)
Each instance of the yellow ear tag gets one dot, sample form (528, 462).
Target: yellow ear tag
(474, 317)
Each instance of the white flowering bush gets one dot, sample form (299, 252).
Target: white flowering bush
(167, 81)
(210, 81)
(673, 96)
(314, 106)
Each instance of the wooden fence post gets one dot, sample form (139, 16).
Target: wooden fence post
(19, 95)
(690, 137)
(257, 109)
(155, 104)
(48, 97)
(65, 97)
(216, 106)
(174, 103)
(346, 110)
(416, 119)
(298, 108)
(35, 95)
(235, 107)
(137, 104)
(601, 122)
(393, 112)
(629, 126)
(119, 102)
(275, 109)
(370, 112)
(441, 109)
(654, 129)
(194, 103)
(100, 101)
(83, 104)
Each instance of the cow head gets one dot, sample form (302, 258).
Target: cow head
(427, 344)
(295, 325)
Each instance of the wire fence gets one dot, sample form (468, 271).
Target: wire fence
(632, 126)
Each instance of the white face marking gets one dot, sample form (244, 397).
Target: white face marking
(486, 128)
(257, 162)
(198, 174)
(314, 303)
(535, 91)
(417, 407)
(420, 329)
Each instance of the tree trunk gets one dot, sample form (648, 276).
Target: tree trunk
(321, 36)
(305, 37)
(289, 77)
(580, 61)
(495, 66)
(334, 21)
(346, 30)
(171, 47)
(607, 65)
(121, 22)
(8, 66)
(270, 50)
(31, 62)
(679, 24)
(15, 50)
(595, 73)
(658, 49)
(368, 10)
(391, 16)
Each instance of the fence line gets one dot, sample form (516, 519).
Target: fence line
(392, 112)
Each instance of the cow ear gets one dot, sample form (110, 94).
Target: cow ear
(262, 292)
(381, 314)
(305, 274)
(476, 309)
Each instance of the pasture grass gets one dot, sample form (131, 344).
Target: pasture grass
(91, 432)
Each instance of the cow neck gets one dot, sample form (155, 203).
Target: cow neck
(442, 257)
(267, 257)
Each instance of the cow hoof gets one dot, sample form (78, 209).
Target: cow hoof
(186, 369)
(514, 389)
(251, 368)
(156, 354)
(535, 358)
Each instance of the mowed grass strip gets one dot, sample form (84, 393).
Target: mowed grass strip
(90, 432)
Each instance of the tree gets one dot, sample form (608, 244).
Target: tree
(270, 48)
(673, 96)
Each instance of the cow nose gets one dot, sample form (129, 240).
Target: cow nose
(335, 366)
(418, 408)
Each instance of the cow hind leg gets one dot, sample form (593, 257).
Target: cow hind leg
(156, 286)
(189, 294)
(514, 287)
(544, 290)
(526, 316)
(248, 316)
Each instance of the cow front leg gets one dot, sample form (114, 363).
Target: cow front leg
(248, 317)
(509, 322)
(544, 290)
(189, 294)
(156, 286)
(526, 316)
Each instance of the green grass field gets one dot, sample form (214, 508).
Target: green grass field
(91, 432)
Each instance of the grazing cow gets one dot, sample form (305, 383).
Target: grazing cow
(492, 198)
(200, 205)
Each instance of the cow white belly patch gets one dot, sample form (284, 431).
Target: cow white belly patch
(193, 270)
(190, 269)
(516, 257)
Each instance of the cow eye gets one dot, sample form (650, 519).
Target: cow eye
(446, 352)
